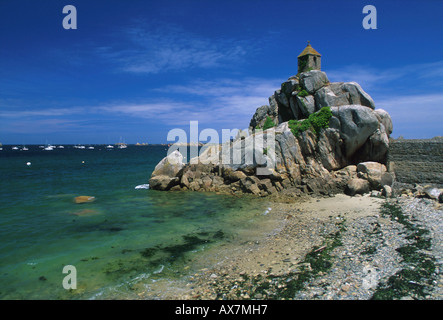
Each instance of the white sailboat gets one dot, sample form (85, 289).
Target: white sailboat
(122, 145)
(48, 146)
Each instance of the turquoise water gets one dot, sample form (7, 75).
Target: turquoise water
(124, 237)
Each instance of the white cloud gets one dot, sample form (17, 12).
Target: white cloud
(426, 108)
(227, 103)
(32, 126)
(159, 48)
(376, 78)
(230, 102)
(48, 112)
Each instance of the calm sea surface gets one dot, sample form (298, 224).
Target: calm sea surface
(128, 236)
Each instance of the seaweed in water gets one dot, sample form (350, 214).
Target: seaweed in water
(218, 235)
(169, 253)
(148, 252)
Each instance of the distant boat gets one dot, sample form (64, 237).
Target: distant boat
(14, 148)
(24, 148)
(60, 147)
(49, 147)
(90, 148)
(109, 146)
(121, 144)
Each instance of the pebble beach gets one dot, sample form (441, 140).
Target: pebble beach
(329, 248)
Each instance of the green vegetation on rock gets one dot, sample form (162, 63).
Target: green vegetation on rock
(269, 123)
(303, 93)
(316, 121)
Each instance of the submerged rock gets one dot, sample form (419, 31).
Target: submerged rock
(84, 199)
(86, 212)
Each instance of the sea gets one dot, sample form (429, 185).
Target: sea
(122, 242)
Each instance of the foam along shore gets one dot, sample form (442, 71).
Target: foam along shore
(337, 248)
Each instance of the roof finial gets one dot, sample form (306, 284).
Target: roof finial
(309, 43)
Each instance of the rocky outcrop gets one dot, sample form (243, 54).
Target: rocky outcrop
(430, 191)
(166, 173)
(261, 114)
(346, 154)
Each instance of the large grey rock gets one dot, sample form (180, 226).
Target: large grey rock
(357, 186)
(251, 185)
(261, 114)
(313, 80)
(372, 172)
(170, 165)
(280, 102)
(296, 112)
(357, 95)
(233, 176)
(432, 193)
(165, 174)
(387, 179)
(343, 93)
(376, 147)
(305, 106)
(330, 150)
(289, 86)
(332, 95)
(386, 120)
(281, 98)
(357, 124)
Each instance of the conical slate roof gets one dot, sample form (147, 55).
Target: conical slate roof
(309, 50)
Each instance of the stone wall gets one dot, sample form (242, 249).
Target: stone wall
(417, 161)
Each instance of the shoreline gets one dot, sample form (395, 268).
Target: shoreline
(332, 248)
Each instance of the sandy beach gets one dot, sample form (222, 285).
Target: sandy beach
(337, 248)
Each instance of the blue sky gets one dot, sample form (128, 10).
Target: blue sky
(137, 69)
